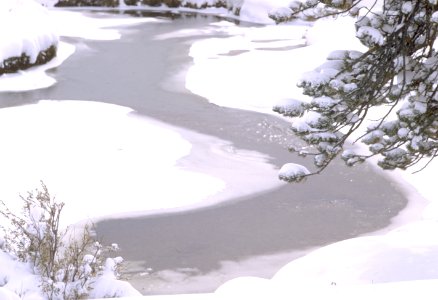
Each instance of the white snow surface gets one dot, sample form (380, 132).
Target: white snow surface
(36, 77)
(292, 170)
(257, 11)
(255, 68)
(26, 28)
(396, 264)
(111, 162)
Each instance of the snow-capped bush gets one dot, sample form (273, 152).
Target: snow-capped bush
(66, 264)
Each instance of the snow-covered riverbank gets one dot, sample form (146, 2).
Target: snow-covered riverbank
(403, 256)
(27, 38)
(111, 154)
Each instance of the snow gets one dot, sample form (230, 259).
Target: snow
(108, 286)
(23, 38)
(257, 67)
(30, 36)
(7, 295)
(292, 172)
(107, 155)
(124, 174)
(74, 24)
(398, 263)
(435, 17)
(282, 13)
(257, 11)
(36, 77)
(407, 7)
(371, 34)
(289, 107)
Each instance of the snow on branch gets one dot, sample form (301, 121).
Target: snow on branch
(398, 75)
(293, 172)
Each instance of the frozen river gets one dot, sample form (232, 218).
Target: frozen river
(196, 250)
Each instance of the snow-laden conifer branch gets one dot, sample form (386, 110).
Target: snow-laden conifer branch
(398, 74)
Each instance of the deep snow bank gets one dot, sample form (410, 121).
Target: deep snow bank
(29, 38)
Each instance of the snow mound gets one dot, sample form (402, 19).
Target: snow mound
(30, 29)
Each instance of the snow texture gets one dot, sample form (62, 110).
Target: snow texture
(29, 29)
(108, 286)
(371, 35)
(289, 107)
(292, 172)
(435, 17)
(392, 265)
(397, 264)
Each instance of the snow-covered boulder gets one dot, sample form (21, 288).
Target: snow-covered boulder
(29, 39)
